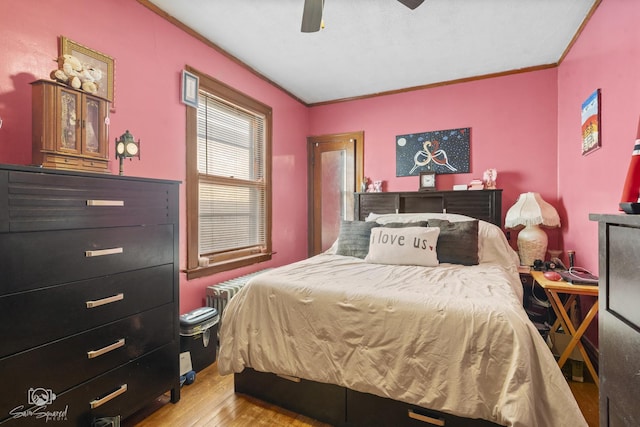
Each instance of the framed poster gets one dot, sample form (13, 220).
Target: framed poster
(190, 89)
(591, 123)
(95, 59)
(441, 151)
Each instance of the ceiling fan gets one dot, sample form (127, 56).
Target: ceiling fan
(312, 13)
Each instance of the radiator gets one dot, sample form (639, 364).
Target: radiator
(218, 295)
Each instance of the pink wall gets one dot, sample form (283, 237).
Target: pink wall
(606, 56)
(149, 55)
(527, 125)
(513, 129)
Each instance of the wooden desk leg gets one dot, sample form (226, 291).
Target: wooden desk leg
(576, 340)
(560, 310)
(576, 335)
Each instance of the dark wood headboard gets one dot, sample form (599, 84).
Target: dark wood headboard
(482, 204)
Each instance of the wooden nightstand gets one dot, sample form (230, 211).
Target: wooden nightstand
(553, 290)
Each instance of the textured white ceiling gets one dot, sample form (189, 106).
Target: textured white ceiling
(373, 46)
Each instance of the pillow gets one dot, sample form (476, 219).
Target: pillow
(411, 217)
(404, 246)
(353, 239)
(406, 224)
(458, 241)
(493, 246)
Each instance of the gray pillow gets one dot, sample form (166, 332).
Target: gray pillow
(458, 241)
(353, 239)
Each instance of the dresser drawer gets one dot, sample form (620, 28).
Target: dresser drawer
(39, 259)
(62, 364)
(48, 314)
(39, 201)
(364, 409)
(118, 392)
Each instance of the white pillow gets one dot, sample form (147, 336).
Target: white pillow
(404, 246)
(413, 217)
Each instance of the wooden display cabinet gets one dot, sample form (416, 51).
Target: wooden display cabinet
(69, 128)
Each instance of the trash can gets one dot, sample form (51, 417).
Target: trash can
(198, 336)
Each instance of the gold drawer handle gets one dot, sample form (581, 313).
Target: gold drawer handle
(102, 252)
(95, 353)
(105, 202)
(103, 301)
(426, 419)
(99, 402)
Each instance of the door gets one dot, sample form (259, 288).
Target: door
(335, 172)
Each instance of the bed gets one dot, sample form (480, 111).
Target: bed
(370, 338)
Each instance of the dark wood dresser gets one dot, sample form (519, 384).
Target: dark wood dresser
(89, 294)
(619, 319)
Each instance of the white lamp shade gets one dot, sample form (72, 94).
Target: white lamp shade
(531, 209)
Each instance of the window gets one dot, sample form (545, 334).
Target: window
(228, 179)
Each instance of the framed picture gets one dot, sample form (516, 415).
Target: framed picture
(190, 89)
(441, 151)
(95, 59)
(591, 123)
(427, 181)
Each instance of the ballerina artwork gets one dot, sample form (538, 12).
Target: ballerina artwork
(489, 177)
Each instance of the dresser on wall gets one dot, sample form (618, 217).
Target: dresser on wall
(619, 319)
(89, 321)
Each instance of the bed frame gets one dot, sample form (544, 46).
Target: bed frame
(482, 204)
(340, 406)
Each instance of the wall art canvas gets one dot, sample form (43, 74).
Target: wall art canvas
(591, 123)
(440, 151)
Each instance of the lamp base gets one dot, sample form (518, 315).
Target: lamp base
(532, 244)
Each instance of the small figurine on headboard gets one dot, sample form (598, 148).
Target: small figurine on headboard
(489, 178)
(365, 183)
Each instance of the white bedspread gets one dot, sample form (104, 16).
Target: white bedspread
(448, 338)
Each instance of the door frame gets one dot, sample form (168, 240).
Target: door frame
(358, 138)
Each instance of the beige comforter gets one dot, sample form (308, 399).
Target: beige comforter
(448, 338)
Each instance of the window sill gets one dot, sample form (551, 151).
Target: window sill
(221, 266)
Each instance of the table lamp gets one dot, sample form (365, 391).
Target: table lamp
(531, 211)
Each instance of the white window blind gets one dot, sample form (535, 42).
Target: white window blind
(231, 170)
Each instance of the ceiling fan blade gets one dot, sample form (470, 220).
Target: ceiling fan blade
(411, 4)
(312, 16)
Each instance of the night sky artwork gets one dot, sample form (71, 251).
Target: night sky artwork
(440, 151)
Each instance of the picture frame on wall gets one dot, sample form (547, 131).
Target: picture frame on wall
(442, 151)
(95, 59)
(591, 124)
(189, 91)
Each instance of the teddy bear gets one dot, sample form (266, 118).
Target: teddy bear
(77, 75)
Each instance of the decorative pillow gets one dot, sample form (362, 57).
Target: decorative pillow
(458, 241)
(493, 246)
(353, 239)
(404, 246)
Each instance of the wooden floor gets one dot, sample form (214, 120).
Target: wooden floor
(211, 401)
